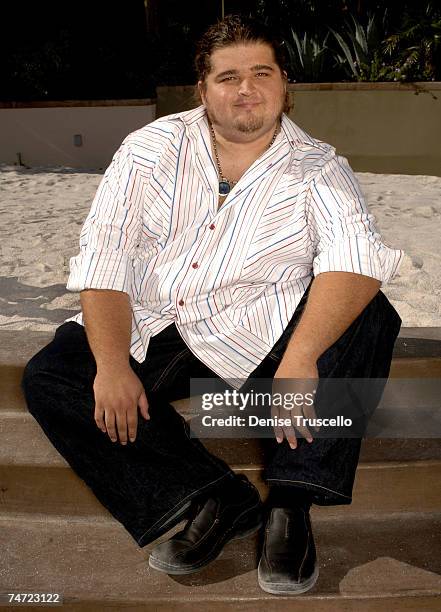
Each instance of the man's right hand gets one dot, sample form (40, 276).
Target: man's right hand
(118, 393)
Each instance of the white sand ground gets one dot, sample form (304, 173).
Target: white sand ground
(42, 211)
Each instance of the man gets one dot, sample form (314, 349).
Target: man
(222, 242)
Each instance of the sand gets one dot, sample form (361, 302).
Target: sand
(42, 211)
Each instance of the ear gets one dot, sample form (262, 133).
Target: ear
(201, 89)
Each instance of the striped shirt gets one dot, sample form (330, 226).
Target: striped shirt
(230, 278)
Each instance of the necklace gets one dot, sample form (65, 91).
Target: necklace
(226, 185)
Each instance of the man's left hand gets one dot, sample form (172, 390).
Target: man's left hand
(300, 380)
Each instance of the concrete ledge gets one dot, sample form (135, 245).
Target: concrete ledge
(75, 135)
(417, 354)
(380, 489)
(388, 562)
(404, 368)
(17, 347)
(33, 475)
(363, 121)
(24, 443)
(418, 86)
(77, 103)
(401, 603)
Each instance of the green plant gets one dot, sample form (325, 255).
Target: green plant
(360, 55)
(307, 56)
(413, 49)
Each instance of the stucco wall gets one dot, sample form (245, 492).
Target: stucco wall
(379, 130)
(379, 127)
(45, 136)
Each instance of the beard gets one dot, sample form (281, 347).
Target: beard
(250, 121)
(248, 124)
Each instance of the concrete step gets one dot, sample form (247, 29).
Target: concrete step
(401, 367)
(417, 354)
(415, 367)
(380, 488)
(24, 443)
(391, 563)
(33, 475)
(17, 347)
(382, 550)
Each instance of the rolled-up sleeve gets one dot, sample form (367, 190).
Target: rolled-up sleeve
(342, 230)
(110, 234)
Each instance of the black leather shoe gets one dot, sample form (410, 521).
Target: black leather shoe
(225, 516)
(288, 565)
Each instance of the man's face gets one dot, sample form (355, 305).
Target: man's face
(245, 90)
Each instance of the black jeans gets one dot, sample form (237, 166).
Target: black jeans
(147, 485)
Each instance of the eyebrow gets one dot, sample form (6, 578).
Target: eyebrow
(234, 72)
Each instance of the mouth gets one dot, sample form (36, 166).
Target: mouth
(247, 104)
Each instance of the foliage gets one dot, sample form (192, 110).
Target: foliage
(307, 56)
(361, 48)
(100, 50)
(373, 40)
(414, 48)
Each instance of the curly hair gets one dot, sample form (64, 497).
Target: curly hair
(235, 30)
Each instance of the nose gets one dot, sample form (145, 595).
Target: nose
(246, 87)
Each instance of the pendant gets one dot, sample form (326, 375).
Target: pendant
(224, 188)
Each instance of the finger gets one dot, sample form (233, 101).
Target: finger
(109, 419)
(290, 435)
(144, 406)
(300, 427)
(99, 418)
(304, 431)
(132, 423)
(309, 412)
(278, 432)
(121, 423)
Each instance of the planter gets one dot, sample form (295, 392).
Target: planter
(380, 127)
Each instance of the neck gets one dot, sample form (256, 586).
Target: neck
(245, 156)
(244, 144)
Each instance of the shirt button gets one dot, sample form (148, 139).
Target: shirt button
(212, 226)
(181, 302)
(195, 265)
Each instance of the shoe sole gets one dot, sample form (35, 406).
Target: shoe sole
(173, 571)
(283, 588)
